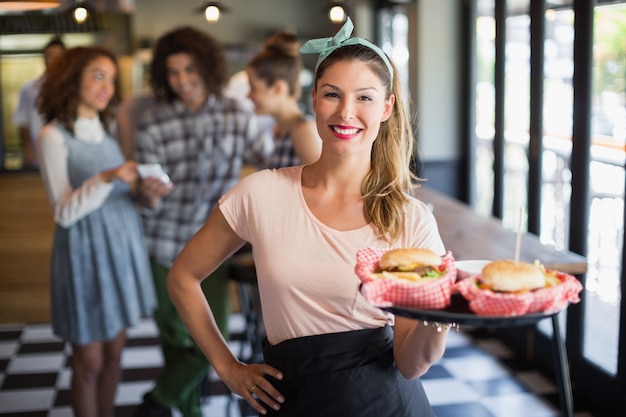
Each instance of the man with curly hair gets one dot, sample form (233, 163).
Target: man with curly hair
(202, 139)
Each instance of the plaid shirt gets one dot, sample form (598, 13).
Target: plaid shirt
(203, 153)
(284, 154)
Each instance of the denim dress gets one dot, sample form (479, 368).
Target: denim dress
(101, 280)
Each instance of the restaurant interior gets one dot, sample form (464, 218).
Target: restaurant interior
(520, 124)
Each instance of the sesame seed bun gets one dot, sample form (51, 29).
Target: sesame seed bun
(511, 276)
(409, 256)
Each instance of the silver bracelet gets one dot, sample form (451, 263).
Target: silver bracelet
(442, 326)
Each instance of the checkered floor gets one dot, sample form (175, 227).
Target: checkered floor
(477, 377)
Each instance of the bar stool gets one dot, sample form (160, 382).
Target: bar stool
(243, 273)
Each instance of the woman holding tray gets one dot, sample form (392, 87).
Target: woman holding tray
(328, 351)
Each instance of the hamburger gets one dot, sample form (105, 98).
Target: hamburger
(413, 264)
(510, 276)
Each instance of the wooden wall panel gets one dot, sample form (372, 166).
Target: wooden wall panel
(26, 229)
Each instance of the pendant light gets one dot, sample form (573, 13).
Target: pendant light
(337, 11)
(80, 13)
(337, 14)
(212, 10)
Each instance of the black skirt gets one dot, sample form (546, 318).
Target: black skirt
(344, 374)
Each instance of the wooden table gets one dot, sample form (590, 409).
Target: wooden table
(471, 236)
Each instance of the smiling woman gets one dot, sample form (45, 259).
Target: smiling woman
(355, 195)
(97, 87)
(100, 275)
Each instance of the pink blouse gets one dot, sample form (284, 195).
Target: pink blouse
(305, 269)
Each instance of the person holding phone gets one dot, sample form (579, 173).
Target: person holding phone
(201, 139)
(100, 277)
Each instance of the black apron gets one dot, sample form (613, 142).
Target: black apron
(343, 375)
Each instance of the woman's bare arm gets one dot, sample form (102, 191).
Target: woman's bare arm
(204, 252)
(306, 142)
(417, 346)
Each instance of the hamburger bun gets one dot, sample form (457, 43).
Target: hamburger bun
(412, 264)
(511, 276)
(407, 258)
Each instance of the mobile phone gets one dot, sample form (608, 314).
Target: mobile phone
(153, 170)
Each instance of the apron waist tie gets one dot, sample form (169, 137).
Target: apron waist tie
(328, 352)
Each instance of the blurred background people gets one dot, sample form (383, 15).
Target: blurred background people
(274, 76)
(129, 112)
(202, 139)
(100, 271)
(238, 87)
(26, 116)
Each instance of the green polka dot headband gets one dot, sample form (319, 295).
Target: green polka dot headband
(325, 46)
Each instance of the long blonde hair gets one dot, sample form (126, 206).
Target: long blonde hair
(386, 187)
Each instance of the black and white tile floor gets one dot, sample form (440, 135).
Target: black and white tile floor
(477, 377)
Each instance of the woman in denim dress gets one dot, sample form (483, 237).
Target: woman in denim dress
(100, 276)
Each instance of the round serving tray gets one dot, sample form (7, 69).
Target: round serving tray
(458, 312)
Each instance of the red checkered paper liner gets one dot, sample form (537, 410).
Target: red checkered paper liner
(544, 300)
(431, 294)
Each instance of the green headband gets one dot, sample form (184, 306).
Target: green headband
(325, 46)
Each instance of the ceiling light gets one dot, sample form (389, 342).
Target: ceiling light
(212, 13)
(337, 14)
(212, 10)
(337, 10)
(80, 14)
(25, 5)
